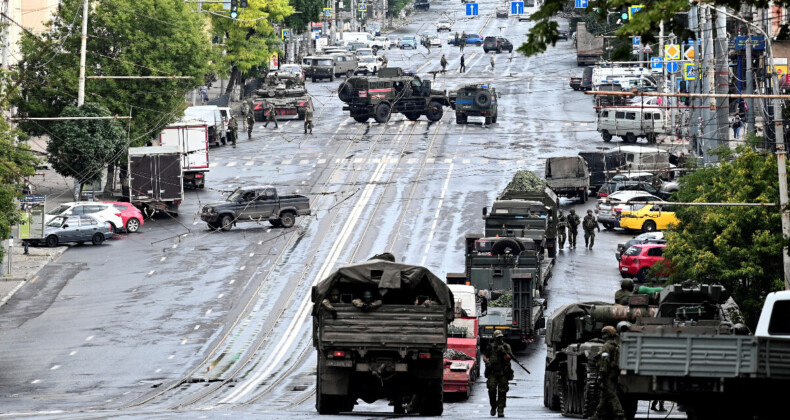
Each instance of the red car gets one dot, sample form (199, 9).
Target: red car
(638, 259)
(132, 216)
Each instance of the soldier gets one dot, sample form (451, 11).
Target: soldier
(573, 228)
(272, 116)
(463, 42)
(589, 225)
(250, 122)
(561, 226)
(626, 290)
(334, 297)
(609, 369)
(384, 256)
(308, 118)
(498, 373)
(443, 63)
(383, 61)
(463, 64)
(492, 62)
(456, 39)
(366, 304)
(245, 110)
(274, 78)
(233, 129)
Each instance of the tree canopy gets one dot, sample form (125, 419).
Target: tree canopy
(738, 247)
(125, 38)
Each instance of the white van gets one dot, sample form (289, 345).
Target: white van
(215, 119)
(622, 75)
(631, 123)
(362, 37)
(645, 158)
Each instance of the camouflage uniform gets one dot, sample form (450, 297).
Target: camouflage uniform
(589, 225)
(561, 227)
(609, 370)
(626, 290)
(245, 111)
(250, 123)
(443, 63)
(366, 303)
(334, 297)
(498, 373)
(573, 228)
(233, 129)
(272, 117)
(308, 119)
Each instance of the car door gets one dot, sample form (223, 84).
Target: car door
(654, 255)
(88, 227)
(267, 203)
(70, 229)
(246, 206)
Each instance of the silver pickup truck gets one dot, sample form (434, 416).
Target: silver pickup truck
(255, 204)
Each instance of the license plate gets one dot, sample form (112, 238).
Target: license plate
(624, 268)
(476, 118)
(338, 363)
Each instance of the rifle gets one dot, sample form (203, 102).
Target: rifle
(513, 358)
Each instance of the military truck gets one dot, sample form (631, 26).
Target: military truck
(475, 101)
(513, 273)
(421, 5)
(392, 90)
(288, 95)
(526, 208)
(568, 176)
(331, 66)
(393, 352)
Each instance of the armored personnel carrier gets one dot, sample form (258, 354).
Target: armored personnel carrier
(475, 100)
(288, 94)
(392, 90)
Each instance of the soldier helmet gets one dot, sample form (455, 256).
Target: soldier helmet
(608, 332)
(498, 333)
(561, 213)
(573, 211)
(386, 256)
(367, 294)
(334, 291)
(589, 211)
(627, 284)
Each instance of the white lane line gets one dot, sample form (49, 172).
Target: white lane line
(90, 337)
(249, 163)
(242, 267)
(436, 215)
(151, 272)
(304, 162)
(232, 281)
(56, 367)
(171, 357)
(183, 341)
(285, 162)
(162, 259)
(411, 161)
(466, 161)
(321, 161)
(197, 327)
(158, 370)
(35, 381)
(448, 160)
(430, 160)
(213, 165)
(73, 353)
(232, 163)
(483, 161)
(208, 312)
(220, 296)
(252, 254)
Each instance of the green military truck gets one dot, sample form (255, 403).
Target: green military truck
(394, 351)
(391, 91)
(475, 101)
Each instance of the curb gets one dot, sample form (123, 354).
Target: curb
(32, 273)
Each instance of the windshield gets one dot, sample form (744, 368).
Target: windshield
(365, 52)
(408, 38)
(393, 37)
(57, 222)
(322, 62)
(234, 196)
(59, 210)
(368, 59)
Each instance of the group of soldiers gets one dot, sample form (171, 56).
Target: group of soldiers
(568, 227)
(248, 120)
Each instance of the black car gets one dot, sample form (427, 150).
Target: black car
(564, 35)
(497, 43)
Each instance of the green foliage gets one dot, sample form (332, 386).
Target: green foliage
(395, 6)
(503, 301)
(81, 148)
(526, 181)
(312, 11)
(125, 38)
(738, 247)
(249, 41)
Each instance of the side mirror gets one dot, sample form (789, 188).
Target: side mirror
(485, 211)
(313, 294)
(64, 226)
(541, 323)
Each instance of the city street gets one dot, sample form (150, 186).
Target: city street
(181, 321)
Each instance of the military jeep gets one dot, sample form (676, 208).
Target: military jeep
(392, 90)
(475, 100)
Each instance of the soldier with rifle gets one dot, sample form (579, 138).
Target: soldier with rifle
(608, 367)
(497, 356)
(561, 228)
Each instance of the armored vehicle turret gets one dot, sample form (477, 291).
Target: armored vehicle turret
(286, 92)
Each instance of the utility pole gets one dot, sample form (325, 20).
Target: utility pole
(708, 85)
(83, 51)
(722, 78)
(5, 34)
(693, 25)
(749, 117)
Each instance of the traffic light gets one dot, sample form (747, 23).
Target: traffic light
(234, 9)
(243, 4)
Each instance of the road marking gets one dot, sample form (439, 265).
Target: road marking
(171, 357)
(56, 367)
(436, 215)
(151, 272)
(90, 337)
(430, 160)
(213, 165)
(483, 161)
(197, 327)
(163, 259)
(285, 162)
(232, 281)
(303, 162)
(158, 370)
(73, 353)
(466, 161)
(175, 246)
(34, 279)
(208, 312)
(231, 163)
(242, 268)
(448, 161)
(252, 254)
(183, 341)
(412, 161)
(35, 381)
(321, 161)
(249, 163)
(220, 296)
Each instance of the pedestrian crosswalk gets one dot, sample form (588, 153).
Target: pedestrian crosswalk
(368, 161)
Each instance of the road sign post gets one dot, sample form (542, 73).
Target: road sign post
(471, 9)
(673, 67)
(581, 4)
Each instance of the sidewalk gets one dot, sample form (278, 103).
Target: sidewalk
(25, 267)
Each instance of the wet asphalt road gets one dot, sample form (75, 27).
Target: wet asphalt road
(156, 324)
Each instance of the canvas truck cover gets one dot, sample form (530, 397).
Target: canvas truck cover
(565, 167)
(396, 283)
(555, 324)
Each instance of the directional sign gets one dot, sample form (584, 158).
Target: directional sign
(634, 9)
(471, 9)
(581, 4)
(517, 8)
(656, 63)
(671, 52)
(689, 71)
(688, 52)
(758, 42)
(636, 40)
(363, 7)
(673, 67)
(327, 12)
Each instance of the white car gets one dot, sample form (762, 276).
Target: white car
(433, 40)
(369, 64)
(444, 25)
(382, 43)
(362, 52)
(103, 211)
(524, 17)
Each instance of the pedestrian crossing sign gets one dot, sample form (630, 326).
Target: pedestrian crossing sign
(363, 7)
(327, 12)
(689, 71)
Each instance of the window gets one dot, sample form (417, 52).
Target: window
(87, 221)
(619, 115)
(648, 116)
(78, 210)
(655, 252)
(605, 114)
(780, 318)
(59, 210)
(630, 116)
(93, 209)
(73, 221)
(633, 251)
(656, 116)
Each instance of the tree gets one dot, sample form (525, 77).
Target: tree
(248, 41)
(738, 247)
(311, 11)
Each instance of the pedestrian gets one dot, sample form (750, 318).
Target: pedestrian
(271, 115)
(463, 43)
(463, 63)
(626, 290)
(492, 62)
(443, 63)
(456, 39)
(245, 110)
(233, 129)
(204, 94)
(562, 224)
(250, 121)
(736, 124)
(589, 224)
(383, 61)
(573, 228)
(498, 373)
(428, 45)
(608, 371)
(308, 118)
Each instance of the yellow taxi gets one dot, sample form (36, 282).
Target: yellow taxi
(649, 218)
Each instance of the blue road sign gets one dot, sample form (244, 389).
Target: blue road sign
(636, 40)
(363, 7)
(471, 9)
(517, 8)
(673, 66)
(656, 63)
(581, 4)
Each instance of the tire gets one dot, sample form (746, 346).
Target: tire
(97, 239)
(649, 226)
(133, 225)
(331, 77)
(276, 223)
(114, 228)
(212, 226)
(483, 99)
(349, 73)
(630, 138)
(641, 275)
(345, 92)
(502, 246)
(287, 219)
(80, 242)
(226, 222)
(382, 113)
(478, 43)
(313, 79)
(430, 403)
(412, 116)
(460, 119)
(607, 225)
(607, 136)
(361, 119)
(582, 197)
(487, 121)
(493, 119)
(434, 112)
(52, 241)
(499, 50)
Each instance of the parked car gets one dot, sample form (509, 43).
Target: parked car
(433, 40)
(291, 70)
(642, 238)
(471, 39)
(255, 204)
(369, 65)
(76, 228)
(131, 216)
(103, 211)
(501, 12)
(382, 43)
(408, 41)
(649, 218)
(394, 41)
(638, 260)
(608, 209)
(365, 52)
(444, 25)
(423, 36)
(564, 35)
(524, 17)
(497, 43)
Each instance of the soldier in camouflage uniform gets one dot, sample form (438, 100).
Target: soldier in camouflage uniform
(272, 116)
(609, 369)
(334, 297)
(589, 224)
(626, 290)
(366, 304)
(561, 227)
(308, 119)
(573, 228)
(498, 373)
(233, 129)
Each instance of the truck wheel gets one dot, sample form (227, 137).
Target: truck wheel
(313, 79)
(361, 118)
(326, 404)
(434, 112)
(493, 119)
(607, 136)
(382, 113)
(630, 405)
(478, 43)
(503, 246)
(551, 399)
(630, 138)
(649, 226)
(483, 99)
(413, 116)
(607, 225)
(332, 77)
(287, 219)
(582, 196)
(226, 222)
(52, 241)
(97, 239)
(488, 121)
(276, 223)
(460, 119)
(431, 403)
